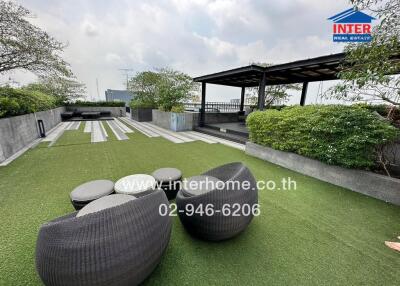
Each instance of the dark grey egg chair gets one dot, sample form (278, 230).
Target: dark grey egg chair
(116, 246)
(218, 226)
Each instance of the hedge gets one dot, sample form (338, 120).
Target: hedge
(382, 109)
(97, 103)
(339, 135)
(137, 103)
(15, 101)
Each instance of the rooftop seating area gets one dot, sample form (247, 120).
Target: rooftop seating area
(318, 233)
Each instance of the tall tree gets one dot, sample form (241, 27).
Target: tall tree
(274, 94)
(367, 73)
(164, 88)
(25, 46)
(144, 86)
(63, 89)
(175, 88)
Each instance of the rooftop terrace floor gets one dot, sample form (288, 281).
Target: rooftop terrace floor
(317, 234)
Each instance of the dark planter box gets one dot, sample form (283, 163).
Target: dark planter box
(142, 114)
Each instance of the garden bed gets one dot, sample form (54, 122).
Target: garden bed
(173, 121)
(368, 183)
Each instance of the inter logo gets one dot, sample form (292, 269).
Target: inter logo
(352, 26)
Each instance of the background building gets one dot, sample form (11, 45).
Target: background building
(118, 95)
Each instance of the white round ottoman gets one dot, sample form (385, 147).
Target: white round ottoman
(136, 185)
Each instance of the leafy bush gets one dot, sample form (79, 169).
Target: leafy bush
(348, 136)
(174, 87)
(144, 85)
(178, 108)
(135, 104)
(20, 101)
(164, 88)
(97, 103)
(8, 107)
(382, 109)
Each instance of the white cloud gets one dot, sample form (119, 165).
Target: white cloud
(113, 58)
(195, 36)
(89, 28)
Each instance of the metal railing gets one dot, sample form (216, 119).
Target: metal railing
(215, 106)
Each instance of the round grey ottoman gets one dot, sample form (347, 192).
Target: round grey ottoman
(90, 191)
(169, 180)
(105, 203)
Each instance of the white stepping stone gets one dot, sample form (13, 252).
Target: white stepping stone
(78, 125)
(74, 125)
(56, 133)
(116, 130)
(69, 125)
(221, 141)
(143, 129)
(103, 128)
(124, 128)
(195, 136)
(164, 132)
(97, 133)
(88, 127)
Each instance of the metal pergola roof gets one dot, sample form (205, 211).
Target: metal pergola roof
(309, 70)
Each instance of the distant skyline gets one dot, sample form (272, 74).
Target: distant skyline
(194, 36)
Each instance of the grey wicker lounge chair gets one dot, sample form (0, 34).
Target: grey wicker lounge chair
(218, 226)
(116, 246)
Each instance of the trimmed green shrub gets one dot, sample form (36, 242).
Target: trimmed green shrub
(178, 108)
(97, 103)
(382, 109)
(15, 101)
(339, 135)
(135, 104)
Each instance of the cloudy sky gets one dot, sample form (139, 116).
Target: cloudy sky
(194, 36)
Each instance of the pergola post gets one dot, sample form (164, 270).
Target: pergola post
(203, 104)
(261, 92)
(242, 98)
(303, 93)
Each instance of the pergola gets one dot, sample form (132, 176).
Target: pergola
(303, 71)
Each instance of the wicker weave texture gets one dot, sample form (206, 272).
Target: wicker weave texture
(117, 246)
(219, 226)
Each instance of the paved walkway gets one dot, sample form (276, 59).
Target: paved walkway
(97, 133)
(117, 130)
(124, 125)
(151, 130)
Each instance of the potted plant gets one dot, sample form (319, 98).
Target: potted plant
(181, 121)
(166, 89)
(174, 87)
(143, 86)
(141, 111)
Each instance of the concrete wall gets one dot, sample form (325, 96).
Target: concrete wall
(215, 117)
(115, 111)
(19, 131)
(142, 114)
(367, 183)
(392, 152)
(173, 121)
(161, 118)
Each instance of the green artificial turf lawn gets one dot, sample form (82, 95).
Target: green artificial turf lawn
(318, 234)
